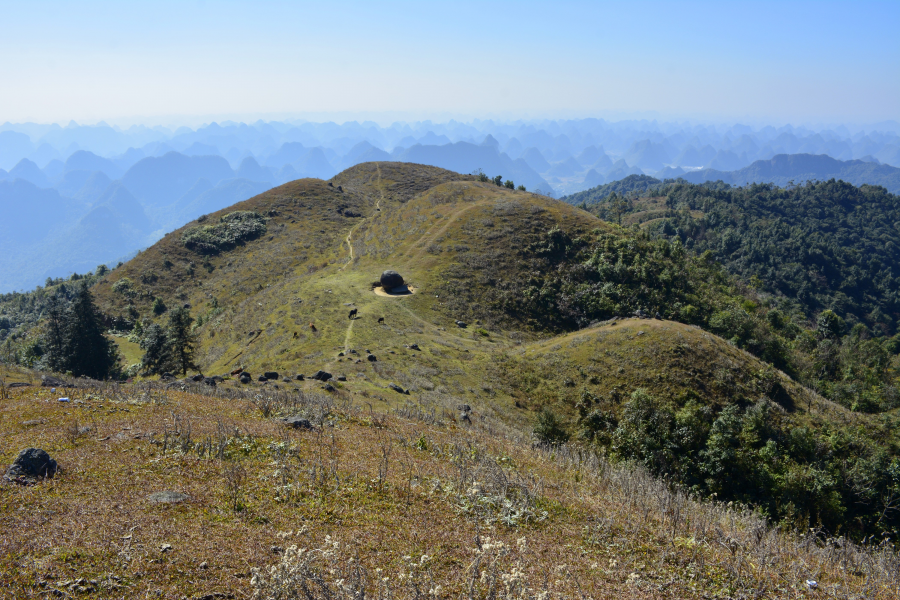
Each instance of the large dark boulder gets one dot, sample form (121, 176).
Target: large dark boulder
(391, 280)
(48, 381)
(31, 463)
(271, 375)
(321, 376)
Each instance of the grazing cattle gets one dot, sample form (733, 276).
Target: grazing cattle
(313, 327)
(352, 314)
(380, 320)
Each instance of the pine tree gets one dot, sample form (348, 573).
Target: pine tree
(74, 338)
(55, 334)
(157, 350)
(88, 352)
(182, 339)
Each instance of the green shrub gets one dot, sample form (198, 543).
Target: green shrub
(232, 229)
(125, 287)
(159, 306)
(549, 428)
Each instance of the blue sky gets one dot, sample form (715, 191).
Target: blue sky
(752, 61)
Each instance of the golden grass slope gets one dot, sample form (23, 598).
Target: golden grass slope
(419, 502)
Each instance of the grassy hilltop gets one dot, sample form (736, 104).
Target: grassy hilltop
(702, 392)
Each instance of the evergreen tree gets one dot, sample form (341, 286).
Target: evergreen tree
(88, 351)
(55, 335)
(74, 337)
(157, 350)
(182, 339)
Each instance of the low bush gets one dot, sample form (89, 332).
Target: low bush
(232, 229)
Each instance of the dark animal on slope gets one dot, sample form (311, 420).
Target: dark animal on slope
(313, 327)
(380, 320)
(352, 314)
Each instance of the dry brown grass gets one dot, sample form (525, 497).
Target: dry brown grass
(387, 490)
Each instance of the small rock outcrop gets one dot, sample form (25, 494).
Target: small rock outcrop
(462, 324)
(297, 422)
(398, 389)
(167, 497)
(31, 464)
(371, 358)
(391, 280)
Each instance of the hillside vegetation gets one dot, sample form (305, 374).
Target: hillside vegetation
(500, 278)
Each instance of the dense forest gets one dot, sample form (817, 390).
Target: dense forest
(821, 259)
(827, 245)
(21, 312)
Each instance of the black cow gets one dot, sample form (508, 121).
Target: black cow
(352, 314)
(380, 320)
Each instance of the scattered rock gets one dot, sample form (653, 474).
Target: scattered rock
(340, 188)
(398, 389)
(321, 376)
(33, 422)
(245, 378)
(329, 388)
(210, 381)
(299, 377)
(167, 376)
(371, 358)
(342, 378)
(340, 353)
(286, 379)
(297, 422)
(48, 381)
(461, 324)
(464, 416)
(391, 280)
(464, 408)
(413, 346)
(658, 317)
(197, 378)
(640, 314)
(167, 497)
(270, 375)
(165, 547)
(18, 384)
(31, 464)
(262, 378)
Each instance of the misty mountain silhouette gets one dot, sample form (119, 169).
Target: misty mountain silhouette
(88, 161)
(784, 168)
(159, 181)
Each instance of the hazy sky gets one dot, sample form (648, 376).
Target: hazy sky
(121, 61)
